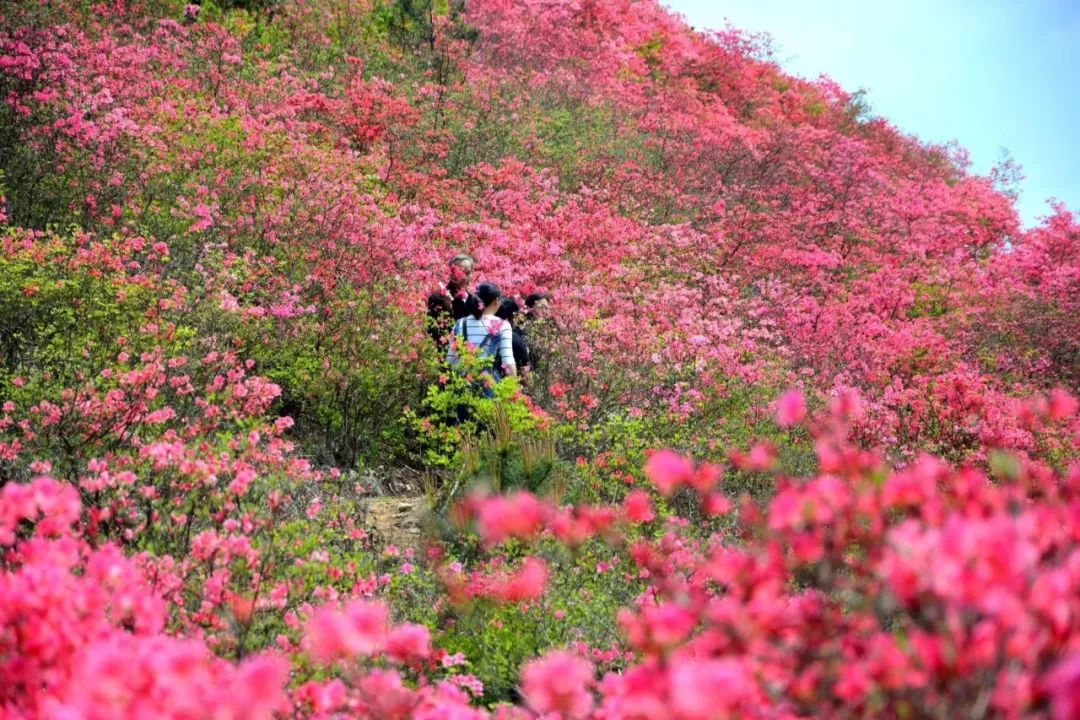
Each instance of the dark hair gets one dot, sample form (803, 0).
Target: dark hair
(535, 297)
(439, 303)
(508, 309)
(486, 293)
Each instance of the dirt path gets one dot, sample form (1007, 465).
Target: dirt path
(396, 520)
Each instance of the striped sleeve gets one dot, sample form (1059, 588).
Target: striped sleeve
(506, 345)
(451, 351)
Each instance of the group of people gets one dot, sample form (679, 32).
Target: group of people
(484, 319)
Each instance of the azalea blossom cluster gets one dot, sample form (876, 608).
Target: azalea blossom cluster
(212, 222)
(862, 590)
(84, 632)
(856, 590)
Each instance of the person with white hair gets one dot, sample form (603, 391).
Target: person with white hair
(450, 302)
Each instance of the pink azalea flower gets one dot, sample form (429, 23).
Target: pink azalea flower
(790, 409)
(639, 507)
(359, 629)
(668, 470)
(409, 642)
(559, 683)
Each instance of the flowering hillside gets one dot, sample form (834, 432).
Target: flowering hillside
(804, 441)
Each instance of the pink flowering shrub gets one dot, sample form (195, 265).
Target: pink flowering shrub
(559, 683)
(959, 589)
(861, 589)
(84, 632)
(801, 441)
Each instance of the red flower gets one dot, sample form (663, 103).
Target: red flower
(668, 470)
(639, 507)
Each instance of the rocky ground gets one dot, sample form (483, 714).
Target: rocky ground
(395, 520)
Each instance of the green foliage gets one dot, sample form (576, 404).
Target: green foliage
(508, 455)
(572, 133)
(412, 24)
(504, 459)
(729, 416)
(306, 552)
(347, 388)
(458, 407)
(483, 137)
(585, 591)
(59, 326)
(931, 300)
(37, 195)
(242, 176)
(217, 10)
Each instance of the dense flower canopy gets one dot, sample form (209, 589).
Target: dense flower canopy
(803, 441)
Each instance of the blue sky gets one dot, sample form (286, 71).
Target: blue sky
(990, 74)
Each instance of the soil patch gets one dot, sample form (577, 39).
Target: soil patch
(396, 520)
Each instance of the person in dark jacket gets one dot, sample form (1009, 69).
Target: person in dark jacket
(508, 311)
(534, 323)
(450, 302)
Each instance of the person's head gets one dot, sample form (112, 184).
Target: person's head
(461, 268)
(508, 309)
(439, 303)
(538, 304)
(485, 299)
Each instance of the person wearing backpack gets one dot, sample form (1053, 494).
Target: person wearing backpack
(489, 334)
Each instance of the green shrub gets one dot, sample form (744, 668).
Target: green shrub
(348, 376)
(585, 591)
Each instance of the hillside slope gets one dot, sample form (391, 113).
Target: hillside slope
(701, 217)
(219, 225)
